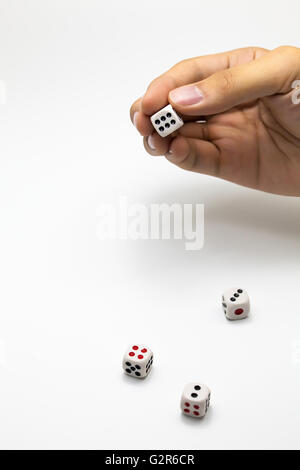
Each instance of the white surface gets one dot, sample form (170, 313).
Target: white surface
(70, 303)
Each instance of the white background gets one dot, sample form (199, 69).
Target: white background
(70, 303)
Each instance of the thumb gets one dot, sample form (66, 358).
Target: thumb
(273, 73)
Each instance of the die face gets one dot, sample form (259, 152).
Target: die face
(236, 303)
(137, 361)
(166, 121)
(195, 400)
(133, 369)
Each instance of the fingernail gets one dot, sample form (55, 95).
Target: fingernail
(186, 95)
(135, 118)
(150, 142)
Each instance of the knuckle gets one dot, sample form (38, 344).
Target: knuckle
(226, 82)
(288, 51)
(182, 63)
(180, 67)
(189, 160)
(289, 57)
(155, 81)
(259, 51)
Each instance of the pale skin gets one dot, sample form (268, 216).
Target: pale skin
(251, 133)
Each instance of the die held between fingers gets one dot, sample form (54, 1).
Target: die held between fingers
(166, 121)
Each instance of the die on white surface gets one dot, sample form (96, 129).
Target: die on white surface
(166, 121)
(195, 400)
(137, 361)
(236, 303)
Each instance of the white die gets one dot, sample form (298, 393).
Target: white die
(137, 361)
(166, 121)
(236, 303)
(195, 400)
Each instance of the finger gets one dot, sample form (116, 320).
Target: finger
(182, 73)
(139, 120)
(195, 155)
(194, 130)
(270, 74)
(190, 71)
(156, 145)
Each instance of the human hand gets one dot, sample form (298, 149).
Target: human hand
(251, 133)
